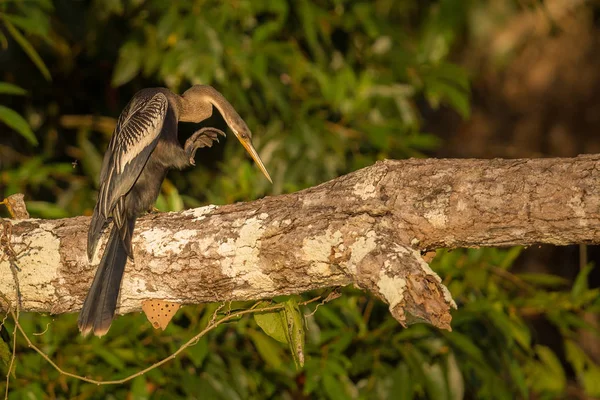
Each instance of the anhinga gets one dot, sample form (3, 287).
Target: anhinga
(144, 146)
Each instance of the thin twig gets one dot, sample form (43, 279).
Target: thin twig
(187, 344)
(14, 349)
(44, 331)
(211, 325)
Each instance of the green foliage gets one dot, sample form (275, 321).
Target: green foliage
(327, 87)
(285, 326)
(15, 121)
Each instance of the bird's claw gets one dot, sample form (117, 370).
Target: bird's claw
(202, 138)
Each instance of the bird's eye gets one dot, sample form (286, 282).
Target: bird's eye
(244, 134)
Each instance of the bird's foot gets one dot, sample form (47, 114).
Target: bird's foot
(201, 138)
(153, 210)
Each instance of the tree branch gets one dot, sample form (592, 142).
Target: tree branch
(366, 228)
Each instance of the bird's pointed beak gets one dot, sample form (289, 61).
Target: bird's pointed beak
(247, 143)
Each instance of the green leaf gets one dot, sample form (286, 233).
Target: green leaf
(466, 345)
(109, 357)
(31, 390)
(333, 388)
(15, 121)
(3, 41)
(45, 209)
(91, 162)
(198, 352)
(5, 351)
(520, 332)
(575, 356)
(518, 377)
(581, 282)
(267, 348)
(128, 64)
(402, 386)
(139, 390)
(294, 320)
(273, 324)
(28, 49)
(175, 203)
(548, 374)
(588, 373)
(510, 257)
(456, 384)
(33, 24)
(436, 386)
(541, 279)
(9, 88)
(591, 381)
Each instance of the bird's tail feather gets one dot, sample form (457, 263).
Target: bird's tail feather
(99, 306)
(96, 226)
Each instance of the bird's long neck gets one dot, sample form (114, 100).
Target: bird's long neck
(197, 103)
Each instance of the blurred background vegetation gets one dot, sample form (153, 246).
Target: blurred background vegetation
(327, 87)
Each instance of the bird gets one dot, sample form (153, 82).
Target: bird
(143, 148)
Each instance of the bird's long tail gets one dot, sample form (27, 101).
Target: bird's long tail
(100, 304)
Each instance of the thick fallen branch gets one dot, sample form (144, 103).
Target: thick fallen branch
(367, 228)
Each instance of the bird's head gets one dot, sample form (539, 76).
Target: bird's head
(208, 95)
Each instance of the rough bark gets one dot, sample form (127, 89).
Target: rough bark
(367, 228)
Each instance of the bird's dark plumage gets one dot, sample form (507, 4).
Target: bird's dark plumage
(144, 146)
(136, 135)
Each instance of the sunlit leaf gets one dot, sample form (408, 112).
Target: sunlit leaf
(542, 279)
(198, 352)
(9, 88)
(295, 330)
(34, 23)
(28, 49)
(109, 357)
(547, 374)
(5, 351)
(402, 386)
(128, 64)
(581, 282)
(268, 349)
(139, 390)
(436, 386)
(456, 385)
(334, 388)
(18, 123)
(273, 324)
(44, 209)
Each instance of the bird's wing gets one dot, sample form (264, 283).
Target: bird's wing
(134, 139)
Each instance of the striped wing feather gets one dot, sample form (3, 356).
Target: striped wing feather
(134, 139)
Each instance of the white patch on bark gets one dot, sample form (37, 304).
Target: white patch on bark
(161, 242)
(200, 212)
(134, 290)
(39, 266)
(203, 244)
(391, 288)
(365, 190)
(241, 258)
(436, 217)
(435, 212)
(360, 248)
(575, 203)
(317, 251)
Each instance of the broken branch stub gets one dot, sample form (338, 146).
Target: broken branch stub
(365, 228)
